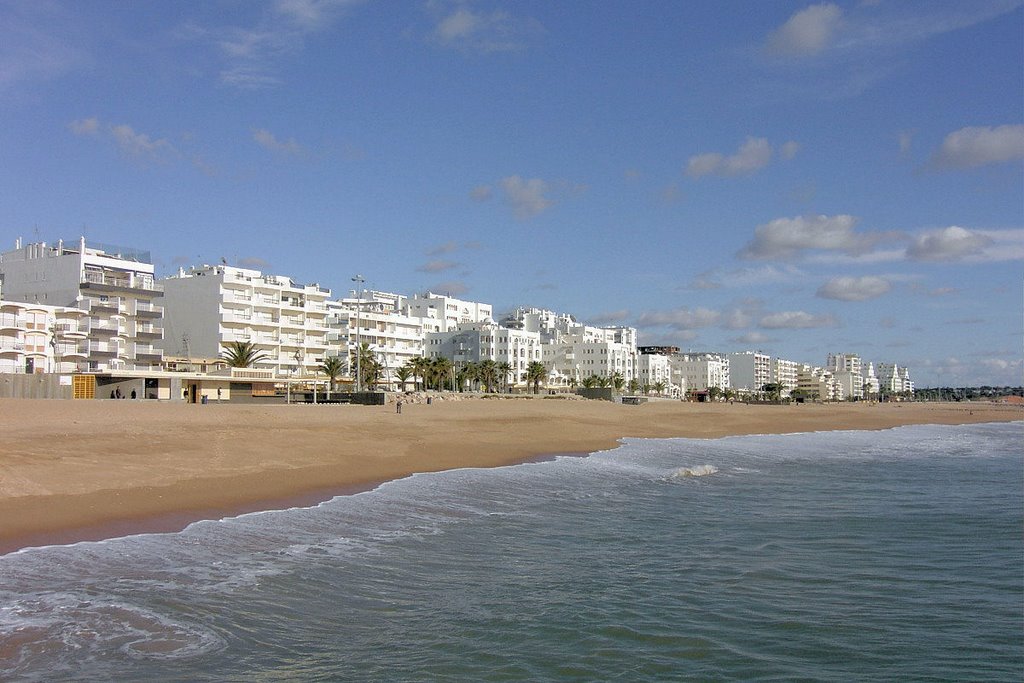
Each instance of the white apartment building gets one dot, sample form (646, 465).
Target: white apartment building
(785, 372)
(208, 307)
(445, 313)
(871, 384)
(702, 371)
(36, 338)
(476, 342)
(114, 288)
(749, 371)
(848, 371)
(655, 368)
(819, 383)
(374, 318)
(893, 379)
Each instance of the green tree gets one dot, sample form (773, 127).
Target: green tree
(714, 393)
(591, 382)
(333, 367)
(618, 381)
(419, 367)
(368, 366)
(438, 372)
(774, 391)
(504, 369)
(634, 386)
(403, 374)
(242, 354)
(489, 374)
(535, 374)
(659, 387)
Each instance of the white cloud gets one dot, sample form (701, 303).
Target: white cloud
(753, 155)
(264, 138)
(854, 288)
(752, 338)
(496, 31)
(906, 141)
(789, 149)
(610, 317)
(796, 320)
(526, 197)
(948, 244)
(139, 145)
(808, 32)
(437, 266)
(980, 146)
(85, 126)
(785, 238)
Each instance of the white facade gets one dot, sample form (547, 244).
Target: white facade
(373, 318)
(478, 342)
(572, 351)
(749, 371)
(848, 371)
(819, 383)
(894, 379)
(114, 287)
(785, 372)
(655, 368)
(445, 313)
(702, 371)
(36, 338)
(208, 307)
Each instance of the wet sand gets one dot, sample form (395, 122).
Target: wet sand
(85, 470)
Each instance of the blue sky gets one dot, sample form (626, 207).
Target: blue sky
(792, 177)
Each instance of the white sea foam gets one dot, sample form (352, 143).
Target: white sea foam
(696, 471)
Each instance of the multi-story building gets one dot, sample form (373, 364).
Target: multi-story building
(819, 383)
(120, 326)
(36, 338)
(374, 319)
(871, 384)
(703, 371)
(749, 371)
(444, 313)
(893, 379)
(847, 369)
(655, 368)
(487, 340)
(208, 307)
(785, 372)
(573, 351)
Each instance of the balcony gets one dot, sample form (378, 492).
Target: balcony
(105, 305)
(147, 310)
(105, 349)
(119, 281)
(148, 332)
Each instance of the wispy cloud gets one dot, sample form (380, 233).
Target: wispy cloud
(807, 32)
(753, 155)
(267, 140)
(786, 238)
(854, 288)
(796, 320)
(437, 266)
(463, 28)
(976, 146)
(251, 53)
(39, 41)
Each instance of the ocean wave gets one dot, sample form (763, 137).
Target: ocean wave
(696, 471)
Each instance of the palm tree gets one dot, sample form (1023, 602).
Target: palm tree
(333, 367)
(659, 387)
(634, 386)
(618, 381)
(468, 374)
(774, 391)
(368, 366)
(714, 392)
(439, 371)
(536, 373)
(403, 374)
(591, 382)
(242, 354)
(489, 374)
(505, 369)
(419, 367)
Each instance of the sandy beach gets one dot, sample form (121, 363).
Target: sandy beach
(84, 470)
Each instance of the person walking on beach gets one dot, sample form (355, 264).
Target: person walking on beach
(398, 407)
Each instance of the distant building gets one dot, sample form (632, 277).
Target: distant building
(374, 319)
(114, 288)
(847, 369)
(209, 307)
(893, 379)
(818, 383)
(785, 372)
(476, 342)
(35, 338)
(702, 371)
(749, 371)
(444, 313)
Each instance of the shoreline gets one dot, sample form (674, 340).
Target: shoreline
(74, 471)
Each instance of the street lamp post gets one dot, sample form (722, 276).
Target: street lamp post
(358, 279)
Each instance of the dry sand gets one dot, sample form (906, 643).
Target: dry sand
(77, 470)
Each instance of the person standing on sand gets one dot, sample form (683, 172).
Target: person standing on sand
(398, 407)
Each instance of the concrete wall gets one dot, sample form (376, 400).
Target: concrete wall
(33, 386)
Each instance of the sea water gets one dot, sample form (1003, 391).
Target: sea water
(895, 555)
